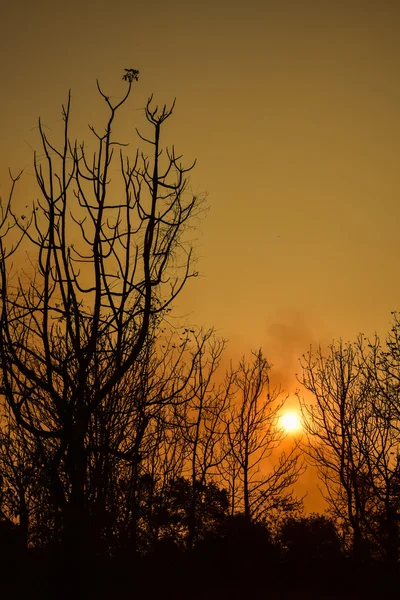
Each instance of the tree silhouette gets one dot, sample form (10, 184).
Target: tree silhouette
(101, 270)
(353, 439)
(202, 425)
(253, 436)
(333, 445)
(310, 540)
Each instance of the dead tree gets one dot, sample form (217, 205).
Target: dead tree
(201, 423)
(260, 476)
(336, 432)
(96, 265)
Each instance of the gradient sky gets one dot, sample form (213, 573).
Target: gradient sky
(292, 110)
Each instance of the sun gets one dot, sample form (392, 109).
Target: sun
(290, 421)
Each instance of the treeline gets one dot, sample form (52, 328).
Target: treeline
(299, 556)
(167, 456)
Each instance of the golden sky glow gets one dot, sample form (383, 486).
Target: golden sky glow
(292, 110)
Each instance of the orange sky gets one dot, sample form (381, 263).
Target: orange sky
(292, 110)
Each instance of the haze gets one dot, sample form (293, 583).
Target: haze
(291, 109)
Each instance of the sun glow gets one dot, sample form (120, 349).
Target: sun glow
(291, 422)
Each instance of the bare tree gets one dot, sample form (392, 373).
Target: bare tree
(353, 439)
(201, 422)
(260, 478)
(146, 442)
(381, 427)
(101, 270)
(334, 427)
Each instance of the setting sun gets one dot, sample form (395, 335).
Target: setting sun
(291, 422)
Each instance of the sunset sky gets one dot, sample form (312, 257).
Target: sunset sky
(291, 108)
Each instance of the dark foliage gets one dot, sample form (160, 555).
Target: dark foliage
(310, 540)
